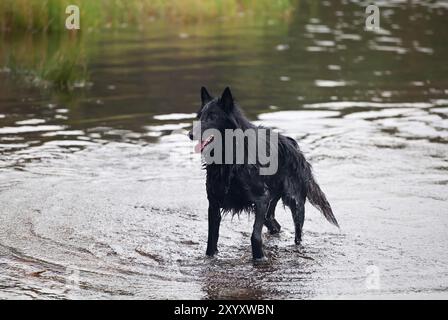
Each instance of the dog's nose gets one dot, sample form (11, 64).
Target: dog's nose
(190, 135)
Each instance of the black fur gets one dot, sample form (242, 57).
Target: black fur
(240, 187)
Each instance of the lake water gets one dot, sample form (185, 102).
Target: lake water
(102, 196)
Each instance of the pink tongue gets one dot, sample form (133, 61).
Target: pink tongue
(198, 148)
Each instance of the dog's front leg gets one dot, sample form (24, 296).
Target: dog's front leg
(214, 220)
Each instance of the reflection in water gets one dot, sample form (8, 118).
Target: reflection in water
(96, 179)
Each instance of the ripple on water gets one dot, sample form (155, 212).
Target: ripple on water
(30, 122)
(366, 104)
(175, 116)
(27, 129)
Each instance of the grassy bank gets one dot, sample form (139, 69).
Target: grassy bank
(45, 61)
(37, 47)
(49, 15)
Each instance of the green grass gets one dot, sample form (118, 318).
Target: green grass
(49, 15)
(37, 47)
(57, 62)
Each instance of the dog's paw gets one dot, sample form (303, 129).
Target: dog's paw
(275, 230)
(261, 261)
(211, 253)
(273, 226)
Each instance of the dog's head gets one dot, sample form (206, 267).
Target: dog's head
(215, 113)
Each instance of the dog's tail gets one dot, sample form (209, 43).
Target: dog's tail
(318, 199)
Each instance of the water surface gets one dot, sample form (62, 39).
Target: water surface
(100, 187)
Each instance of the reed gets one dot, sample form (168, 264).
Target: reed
(36, 47)
(46, 61)
(49, 15)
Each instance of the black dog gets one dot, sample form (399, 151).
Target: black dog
(240, 187)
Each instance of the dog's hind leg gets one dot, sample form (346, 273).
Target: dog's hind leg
(214, 220)
(298, 215)
(261, 208)
(270, 222)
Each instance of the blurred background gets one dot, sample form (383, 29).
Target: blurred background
(93, 145)
(134, 59)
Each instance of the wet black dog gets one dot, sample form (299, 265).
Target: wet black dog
(240, 187)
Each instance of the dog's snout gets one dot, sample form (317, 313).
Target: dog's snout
(190, 135)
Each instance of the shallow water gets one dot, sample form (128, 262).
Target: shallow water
(102, 197)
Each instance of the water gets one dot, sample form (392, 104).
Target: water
(101, 196)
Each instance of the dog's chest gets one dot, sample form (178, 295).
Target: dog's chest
(228, 190)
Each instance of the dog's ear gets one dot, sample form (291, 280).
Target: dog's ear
(227, 101)
(205, 96)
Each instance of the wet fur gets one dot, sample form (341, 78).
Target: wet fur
(240, 187)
